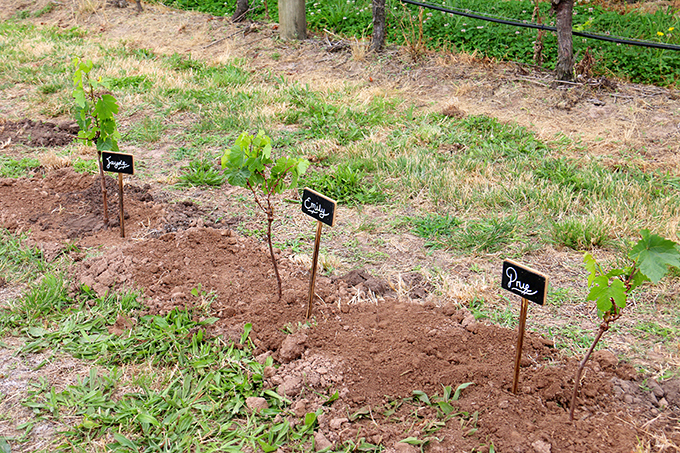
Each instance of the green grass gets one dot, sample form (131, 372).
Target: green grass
(202, 173)
(201, 405)
(348, 184)
(19, 261)
(13, 168)
(149, 130)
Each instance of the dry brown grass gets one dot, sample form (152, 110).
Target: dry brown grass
(52, 161)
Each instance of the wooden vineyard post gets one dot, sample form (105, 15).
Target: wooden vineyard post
(322, 209)
(531, 286)
(119, 163)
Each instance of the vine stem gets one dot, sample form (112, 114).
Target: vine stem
(577, 379)
(270, 219)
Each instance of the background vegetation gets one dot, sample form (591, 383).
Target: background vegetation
(352, 18)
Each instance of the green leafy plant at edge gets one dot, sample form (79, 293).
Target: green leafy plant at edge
(650, 260)
(94, 113)
(248, 163)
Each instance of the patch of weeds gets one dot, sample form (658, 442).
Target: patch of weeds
(86, 166)
(436, 229)
(572, 338)
(346, 185)
(182, 153)
(44, 300)
(488, 235)
(23, 14)
(139, 83)
(45, 10)
(204, 403)
(566, 173)
(581, 233)
(180, 63)
(290, 328)
(225, 76)
(51, 88)
(149, 130)
(17, 260)
(201, 173)
(12, 168)
(143, 54)
(647, 330)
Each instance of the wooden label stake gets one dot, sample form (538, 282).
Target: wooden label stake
(520, 343)
(532, 286)
(315, 261)
(322, 209)
(120, 203)
(119, 163)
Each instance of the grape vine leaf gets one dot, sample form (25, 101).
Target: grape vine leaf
(603, 293)
(654, 254)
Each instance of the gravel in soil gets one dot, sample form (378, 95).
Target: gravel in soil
(372, 347)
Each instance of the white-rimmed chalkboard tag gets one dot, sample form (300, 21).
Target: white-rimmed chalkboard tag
(318, 207)
(524, 282)
(120, 163)
(322, 209)
(532, 286)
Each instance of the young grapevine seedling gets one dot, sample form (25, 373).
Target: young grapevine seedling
(94, 113)
(650, 260)
(249, 164)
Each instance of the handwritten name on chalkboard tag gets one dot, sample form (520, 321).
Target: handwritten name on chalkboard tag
(318, 207)
(118, 163)
(525, 282)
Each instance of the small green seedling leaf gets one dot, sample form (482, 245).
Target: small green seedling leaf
(445, 407)
(422, 397)
(125, 442)
(412, 441)
(459, 389)
(246, 331)
(362, 412)
(332, 398)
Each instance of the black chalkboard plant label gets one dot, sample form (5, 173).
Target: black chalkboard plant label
(318, 206)
(118, 162)
(322, 209)
(525, 282)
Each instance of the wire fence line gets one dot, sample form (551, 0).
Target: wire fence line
(614, 39)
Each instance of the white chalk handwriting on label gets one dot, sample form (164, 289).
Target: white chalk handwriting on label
(315, 208)
(116, 164)
(517, 285)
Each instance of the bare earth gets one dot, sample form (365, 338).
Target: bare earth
(365, 342)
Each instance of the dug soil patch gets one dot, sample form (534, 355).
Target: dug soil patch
(374, 350)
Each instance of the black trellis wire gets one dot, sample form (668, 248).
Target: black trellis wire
(618, 40)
